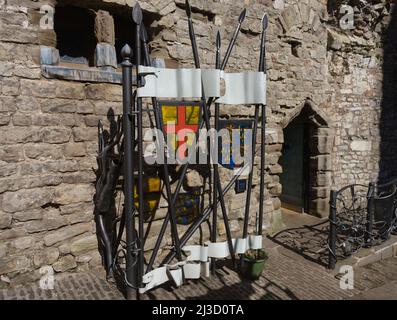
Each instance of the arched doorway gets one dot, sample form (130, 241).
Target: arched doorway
(306, 162)
(295, 161)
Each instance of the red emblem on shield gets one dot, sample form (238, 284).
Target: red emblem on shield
(181, 123)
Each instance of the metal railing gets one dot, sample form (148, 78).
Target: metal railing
(361, 217)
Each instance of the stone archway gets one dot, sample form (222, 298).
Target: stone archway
(319, 160)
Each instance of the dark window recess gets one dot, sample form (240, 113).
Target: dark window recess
(74, 28)
(124, 30)
(124, 33)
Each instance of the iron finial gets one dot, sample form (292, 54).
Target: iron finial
(126, 52)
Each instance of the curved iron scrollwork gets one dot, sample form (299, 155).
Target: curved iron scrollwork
(110, 159)
(361, 216)
(351, 219)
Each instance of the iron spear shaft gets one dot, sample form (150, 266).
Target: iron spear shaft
(254, 139)
(137, 18)
(218, 186)
(216, 172)
(262, 67)
(195, 226)
(171, 202)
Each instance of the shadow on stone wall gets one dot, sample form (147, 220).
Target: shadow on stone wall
(388, 117)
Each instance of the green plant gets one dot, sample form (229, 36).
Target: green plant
(255, 255)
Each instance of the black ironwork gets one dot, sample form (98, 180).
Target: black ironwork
(132, 247)
(361, 216)
(262, 67)
(121, 168)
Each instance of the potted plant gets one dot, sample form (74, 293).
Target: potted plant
(253, 264)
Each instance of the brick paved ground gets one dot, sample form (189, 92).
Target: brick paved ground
(284, 278)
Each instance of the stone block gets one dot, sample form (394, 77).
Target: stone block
(105, 55)
(194, 179)
(104, 27)
(320, 208)
(3, 250)
(5, 220)
(23, 243)
(23, 200)
(321, 145)
(35, 214)
(56, 135)
(47, 224)
(68, 194)
(84, 134)
(84, 245)
(49, 55)
(46, 257)
(14, 264)
(361, 146)
(64, 249)
(320, 193)
(75, 150)
(387, 253)
(66, 233)
(65, 263)
(370, 259)
(321, 163)
(43, 151)
(322, 179)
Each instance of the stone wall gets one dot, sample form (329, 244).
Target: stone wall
(49, 129)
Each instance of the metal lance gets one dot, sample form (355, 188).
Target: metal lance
(171, 201)
(216, 171)
(217, 186)
(192, 229)
(262, 67)
(137, 18)
(254, 138)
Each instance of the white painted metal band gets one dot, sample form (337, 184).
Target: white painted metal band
(245, 88)
(170, 83)
(198, 262)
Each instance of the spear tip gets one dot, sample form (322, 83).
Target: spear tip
(188, 9)
(137, 15)
(242, 15)
(218, 40)
(265, 22)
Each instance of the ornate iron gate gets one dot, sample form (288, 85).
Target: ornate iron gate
(361, 216)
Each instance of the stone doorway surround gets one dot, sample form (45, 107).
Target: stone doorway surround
(321, 143)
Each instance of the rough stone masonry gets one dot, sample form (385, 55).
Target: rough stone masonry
(49, 110)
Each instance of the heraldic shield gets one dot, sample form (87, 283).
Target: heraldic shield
(180, 125)
(233, 148)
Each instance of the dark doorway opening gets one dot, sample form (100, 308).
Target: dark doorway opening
(295, 161)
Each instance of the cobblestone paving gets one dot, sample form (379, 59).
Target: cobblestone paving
(284, 278)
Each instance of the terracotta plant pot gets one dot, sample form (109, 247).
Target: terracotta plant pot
(253, 264)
